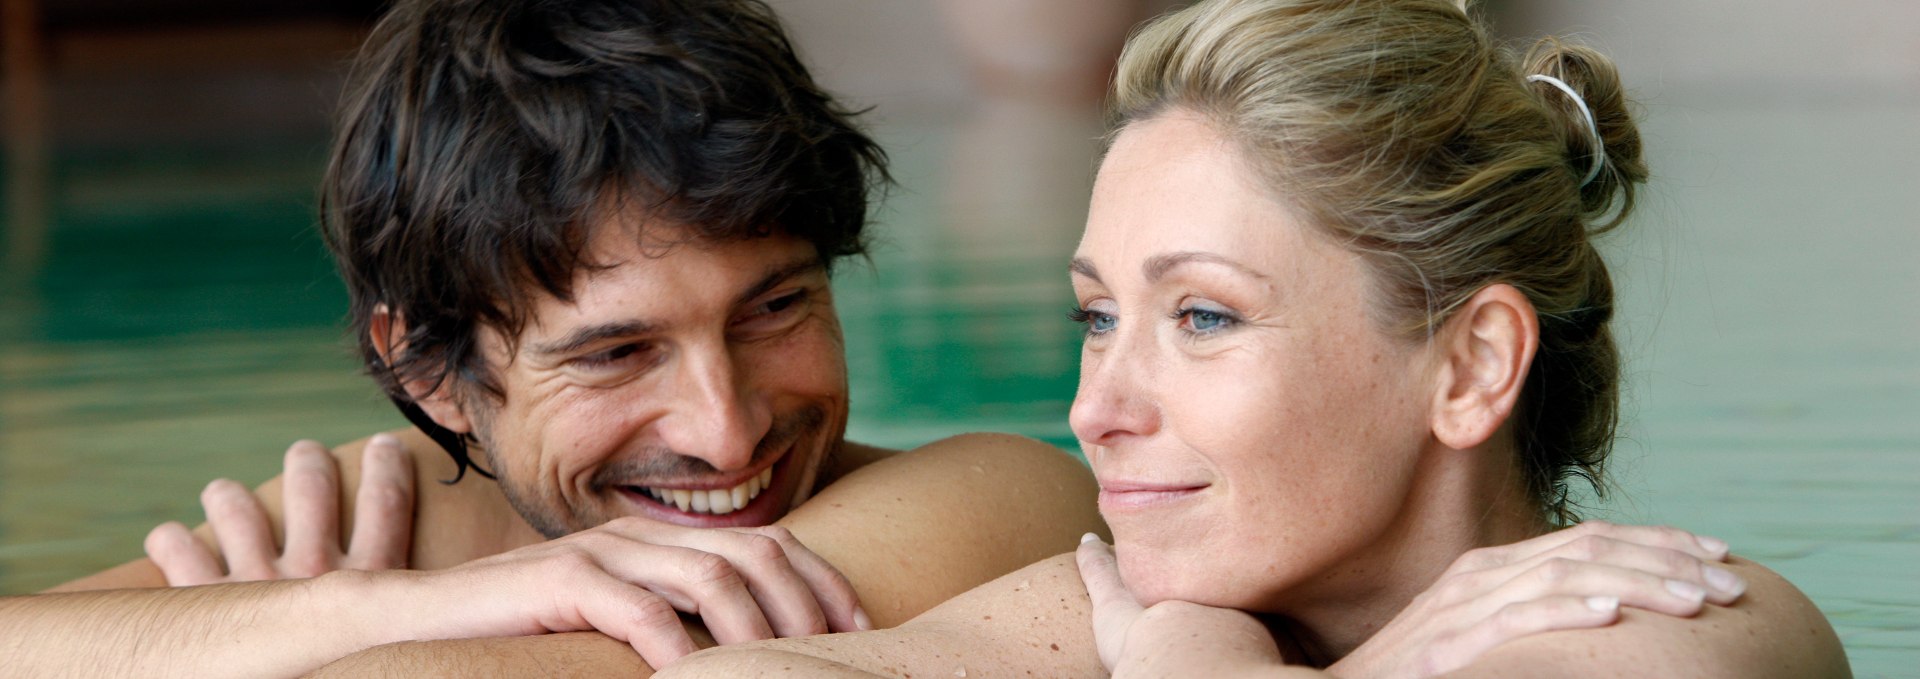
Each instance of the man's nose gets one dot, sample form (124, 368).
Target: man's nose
(1113, 401)
(718, 417)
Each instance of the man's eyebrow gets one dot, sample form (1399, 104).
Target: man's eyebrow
(594, 333)
(1084, 267)
(591, 334)
(777, 275)
(1157, 266)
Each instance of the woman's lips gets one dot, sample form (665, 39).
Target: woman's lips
(1125, 495)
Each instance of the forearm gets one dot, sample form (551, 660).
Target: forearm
(246, 630)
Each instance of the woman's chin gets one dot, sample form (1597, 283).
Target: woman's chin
(1154, 577)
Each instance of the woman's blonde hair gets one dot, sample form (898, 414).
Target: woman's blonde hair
(1401, 129)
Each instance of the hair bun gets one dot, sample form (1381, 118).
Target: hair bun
(1607, 199)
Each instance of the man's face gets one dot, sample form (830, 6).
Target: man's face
(695, 382)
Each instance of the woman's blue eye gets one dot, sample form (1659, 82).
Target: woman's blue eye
(1203, 320)
(1097, 322)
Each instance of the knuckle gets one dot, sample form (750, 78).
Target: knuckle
(710, 571)
(651, 611)
(762, 549)
(1554, 570)
(778, 534)
(574, 563)
(1509, 619)
(1476, 559)
(1591, 547)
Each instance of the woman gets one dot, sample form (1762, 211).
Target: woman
(1346, 331)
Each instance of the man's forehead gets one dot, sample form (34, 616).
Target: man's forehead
(657, 280)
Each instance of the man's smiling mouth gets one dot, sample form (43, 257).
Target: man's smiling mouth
(716, 501)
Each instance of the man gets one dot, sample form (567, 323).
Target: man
(588, 247)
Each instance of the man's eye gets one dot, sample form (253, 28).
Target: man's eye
(620, 356)
(772, 315)
(781, 303)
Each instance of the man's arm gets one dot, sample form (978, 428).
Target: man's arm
(909, 531)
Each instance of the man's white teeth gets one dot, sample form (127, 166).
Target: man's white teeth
(720, 501)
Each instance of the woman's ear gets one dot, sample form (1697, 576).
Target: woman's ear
(388, 331)
(1486, 349)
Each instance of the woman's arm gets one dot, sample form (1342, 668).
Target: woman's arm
(1772, 631)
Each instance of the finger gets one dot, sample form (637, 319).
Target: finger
(832, 595)
(1114, 608)
(691, 580)
(1639, 589)
(311, 483)
(240, 526)
(783, 597)
(383, 507)
(1722, 585)
(1518, 620)
(181, 558)
(644, 620)
(1711, 549)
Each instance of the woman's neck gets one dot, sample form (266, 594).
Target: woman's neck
(1462, 500)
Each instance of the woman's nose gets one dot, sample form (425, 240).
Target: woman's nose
(1114, 401)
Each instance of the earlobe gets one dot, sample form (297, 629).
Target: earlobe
(1488, 347)
(388, 331)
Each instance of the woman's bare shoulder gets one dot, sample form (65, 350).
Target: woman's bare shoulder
(1774, 630)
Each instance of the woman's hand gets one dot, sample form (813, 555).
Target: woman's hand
(1570, 579)
(382, 524)
(1168, 639)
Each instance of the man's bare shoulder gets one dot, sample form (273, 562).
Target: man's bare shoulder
(1774, 630)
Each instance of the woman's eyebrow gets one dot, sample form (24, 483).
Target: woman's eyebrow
(1157, 266)
(1084, 267)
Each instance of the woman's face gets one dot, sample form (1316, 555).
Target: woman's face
(1251, 427)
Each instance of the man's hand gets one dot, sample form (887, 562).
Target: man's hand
(382, 523)
(628, 578)
(1571, 579)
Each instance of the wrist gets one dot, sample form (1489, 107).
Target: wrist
(365, 609)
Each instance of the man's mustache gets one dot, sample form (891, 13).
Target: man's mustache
(662, 462)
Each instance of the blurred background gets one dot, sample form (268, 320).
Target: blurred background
(167, 314)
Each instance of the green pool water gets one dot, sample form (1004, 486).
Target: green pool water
(182, 325)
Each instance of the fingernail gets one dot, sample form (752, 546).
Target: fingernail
(862, 620)
(1711, 544)
(1686, 590)
(1084, 539)
(385, 439)
(1603, 603)
(1725, 581)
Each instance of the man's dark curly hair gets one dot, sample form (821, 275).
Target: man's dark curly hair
(480, 139)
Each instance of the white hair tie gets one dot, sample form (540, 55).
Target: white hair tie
(1599, 146)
